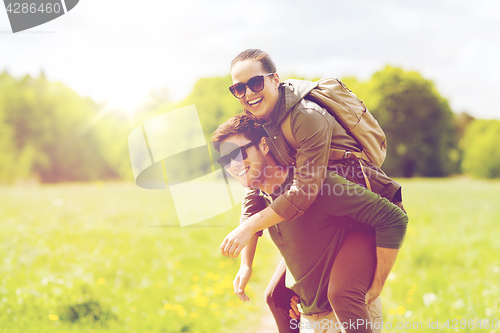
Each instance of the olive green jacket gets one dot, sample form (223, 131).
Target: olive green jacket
(316, 132)
(310, 243)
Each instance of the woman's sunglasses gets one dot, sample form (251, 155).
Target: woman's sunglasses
(238, 155)
(256, 84)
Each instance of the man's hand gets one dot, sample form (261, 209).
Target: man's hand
(294, 312)
(235, 241)
(385, 262)
(400, 205)
(240, 282)
(373, 293)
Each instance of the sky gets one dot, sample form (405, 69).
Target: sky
(119, 51)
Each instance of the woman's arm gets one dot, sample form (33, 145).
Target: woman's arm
(313, 132)
(310, 133)
(237, 239)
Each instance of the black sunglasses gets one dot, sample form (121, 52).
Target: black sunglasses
(256, 84)
(225, 161)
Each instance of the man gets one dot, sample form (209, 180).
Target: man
(319, 269)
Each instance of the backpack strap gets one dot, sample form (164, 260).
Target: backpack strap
(339, 154)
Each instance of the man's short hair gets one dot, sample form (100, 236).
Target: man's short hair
(241, 124)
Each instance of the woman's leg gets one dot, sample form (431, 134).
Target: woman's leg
(350, 278)
(278, 299)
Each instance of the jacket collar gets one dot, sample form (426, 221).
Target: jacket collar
(296, 90)
(291, 92)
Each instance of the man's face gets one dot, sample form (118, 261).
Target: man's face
(249, 171)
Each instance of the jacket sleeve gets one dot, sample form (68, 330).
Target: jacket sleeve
(312, 129)
(341, 197)
(253, 202)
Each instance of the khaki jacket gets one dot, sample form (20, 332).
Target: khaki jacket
(315, 131)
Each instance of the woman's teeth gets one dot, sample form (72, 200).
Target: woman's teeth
(254, 101)
(242, 172)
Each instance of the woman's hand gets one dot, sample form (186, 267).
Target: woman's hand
(240, 282)
(236, 240)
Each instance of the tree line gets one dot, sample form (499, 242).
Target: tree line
(49, 133)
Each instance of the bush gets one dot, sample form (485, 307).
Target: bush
(481, 144)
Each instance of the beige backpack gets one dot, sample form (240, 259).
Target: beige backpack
(352, 114)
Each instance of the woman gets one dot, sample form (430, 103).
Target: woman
(300, 134)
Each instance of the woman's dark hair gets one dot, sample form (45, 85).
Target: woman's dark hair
(259, 55)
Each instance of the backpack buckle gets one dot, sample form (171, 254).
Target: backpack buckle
(347, 155)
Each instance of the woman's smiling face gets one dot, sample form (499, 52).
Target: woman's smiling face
(261, 103)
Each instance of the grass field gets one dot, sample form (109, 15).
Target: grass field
(449, 266)
(110, 257)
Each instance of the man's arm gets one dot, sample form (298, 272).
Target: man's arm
(245, 271)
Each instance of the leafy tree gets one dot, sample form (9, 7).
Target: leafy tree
(214, 102)
(462, 121)
(418, 122)
(482, 149)
(14, 163)
(49, 129)
(50, 132)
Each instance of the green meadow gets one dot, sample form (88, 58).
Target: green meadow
(448, 268)
(111, 257)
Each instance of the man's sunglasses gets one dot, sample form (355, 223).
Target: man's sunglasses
(256, 84)
(239, 155)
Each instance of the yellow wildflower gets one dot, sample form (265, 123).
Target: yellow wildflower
(201, 301)
(219, 288)
(212, 276)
